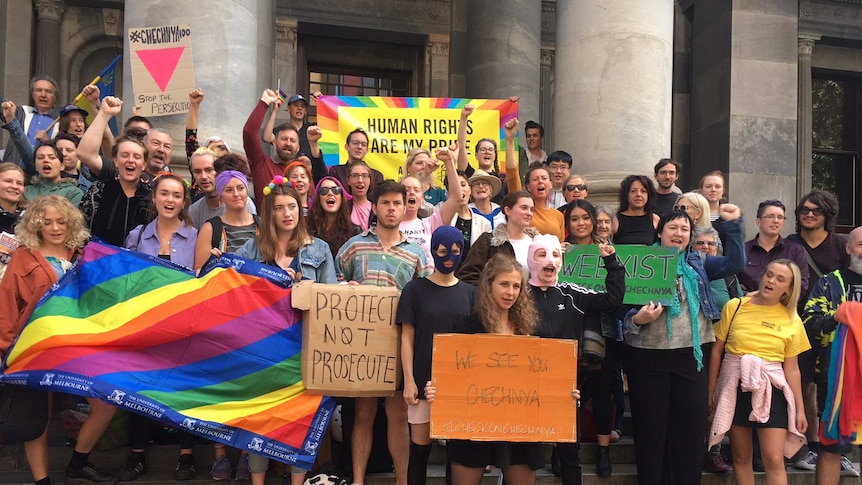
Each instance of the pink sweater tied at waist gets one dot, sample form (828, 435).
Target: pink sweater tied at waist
(758, 377)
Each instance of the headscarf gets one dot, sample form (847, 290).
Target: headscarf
(224, 178)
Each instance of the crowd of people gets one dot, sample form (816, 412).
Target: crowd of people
(743, 349)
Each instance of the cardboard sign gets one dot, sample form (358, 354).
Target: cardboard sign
(350, 341)
(650, 271)
(162, 69)
(504, 388)
(397, 125)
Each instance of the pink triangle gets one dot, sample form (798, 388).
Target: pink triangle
(161, 63)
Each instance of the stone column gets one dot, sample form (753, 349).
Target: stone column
(49, 13)
(504, 42)
(285, 63)
(546, 76)
(233, 51)
(438, 65)
(612, 108)
(803, 115)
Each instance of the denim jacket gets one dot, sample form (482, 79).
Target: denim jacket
(711, 268)
(144, 239)
(315, 259)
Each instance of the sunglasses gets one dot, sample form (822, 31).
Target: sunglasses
(574, 187)
(683, 208)
(706, 243)
(334, 190)
(804, 210)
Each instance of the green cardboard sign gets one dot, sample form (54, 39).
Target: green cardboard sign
(650, 271)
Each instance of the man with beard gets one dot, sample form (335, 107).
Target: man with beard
(356, 148)
(37, 118)
(382, 256)
(829, 292)
(160, 148)
(816, 217)
(202, 168)
(666, 174)
(285, 143)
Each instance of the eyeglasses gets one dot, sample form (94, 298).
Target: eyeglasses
(558, 166)
(487, 150)
(481, 183)
(711, 244)
(773, 217)
(334, 190)
(805, 210)
(357, 143)
(574, 187)
(362, 176)
(666, 172)
(683, 208)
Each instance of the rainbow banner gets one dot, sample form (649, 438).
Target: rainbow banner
(397, 125)
(217, 355)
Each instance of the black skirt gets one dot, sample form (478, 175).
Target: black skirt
(777, 410)
(502, 454)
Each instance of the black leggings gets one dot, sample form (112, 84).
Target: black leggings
(608, 389)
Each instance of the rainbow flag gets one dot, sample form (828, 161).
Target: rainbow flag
(217, 355)
(282, 95)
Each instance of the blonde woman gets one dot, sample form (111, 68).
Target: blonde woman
(696, 206)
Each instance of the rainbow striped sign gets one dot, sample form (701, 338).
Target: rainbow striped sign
(216, 355)
(397, 125)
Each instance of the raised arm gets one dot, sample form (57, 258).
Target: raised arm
(450, 207)
(513, 177)
(463, 160)
(318, 166)
(88, 149)
(195, 99)
(267, 135)
(19, 139)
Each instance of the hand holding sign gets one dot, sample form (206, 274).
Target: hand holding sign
(430, 392)
(729, 212)
(196, 96)
(606, 249)
(647, 313)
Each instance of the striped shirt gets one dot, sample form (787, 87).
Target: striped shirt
(363, 259)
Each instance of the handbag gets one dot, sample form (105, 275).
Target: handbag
(23, 414)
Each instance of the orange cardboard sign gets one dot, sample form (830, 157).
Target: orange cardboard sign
(504, 388)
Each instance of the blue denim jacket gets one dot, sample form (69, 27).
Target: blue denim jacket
(315, 260)
(711, 268)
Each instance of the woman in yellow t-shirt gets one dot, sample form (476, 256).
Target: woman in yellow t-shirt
(759, 385)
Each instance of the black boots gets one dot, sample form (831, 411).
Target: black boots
(603, 461)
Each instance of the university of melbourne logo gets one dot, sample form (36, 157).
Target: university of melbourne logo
(116, 397)
(188, 423)
(47, 380)
(256, 444)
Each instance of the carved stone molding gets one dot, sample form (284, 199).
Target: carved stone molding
(439, 48)
(547, 59)
(285, 31)
(806, 44)
(111, 21)
(838, 14)
(50, 10)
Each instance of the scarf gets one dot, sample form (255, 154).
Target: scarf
(690, 284)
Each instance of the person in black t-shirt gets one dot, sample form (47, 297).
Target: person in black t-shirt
(420, 316)
(666, 174)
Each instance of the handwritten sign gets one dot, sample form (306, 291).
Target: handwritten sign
(397, 125)
(504, 388)
(162, 69)
(349, 339)
(650, 271)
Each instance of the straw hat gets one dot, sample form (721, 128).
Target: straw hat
(496, 184)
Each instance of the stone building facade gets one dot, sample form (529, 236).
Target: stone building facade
(768, 91)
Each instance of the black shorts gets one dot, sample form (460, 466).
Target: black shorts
(777, 410)
(502, 454)
(836, 448)
(807, 361)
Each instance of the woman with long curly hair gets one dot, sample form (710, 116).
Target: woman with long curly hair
(504, 307)
(329, 215)
(52, 233)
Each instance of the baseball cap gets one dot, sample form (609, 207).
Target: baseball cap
(295, 98)
(69, 108)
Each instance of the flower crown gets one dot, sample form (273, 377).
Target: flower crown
(278, 180)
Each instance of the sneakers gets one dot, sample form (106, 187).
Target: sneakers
(242, 471)
(185, 468)
(808, 462)
(88, 475)
(221, 469)
(135, 467)
(847, 469)
(714, 463)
